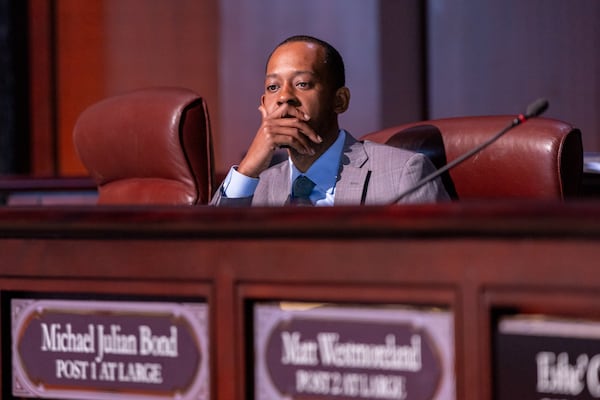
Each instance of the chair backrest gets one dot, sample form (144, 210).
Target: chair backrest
(539, 159)
(149, 146)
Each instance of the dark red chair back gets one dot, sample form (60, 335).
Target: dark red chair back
(150, 146)
(542, 158)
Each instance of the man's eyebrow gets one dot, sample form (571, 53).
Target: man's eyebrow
(268, 76)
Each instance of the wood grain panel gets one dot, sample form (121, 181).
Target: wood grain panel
(41, 92)
(80, 71)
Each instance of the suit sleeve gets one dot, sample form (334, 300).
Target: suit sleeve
(416, 168)
(220, 200)
(240, 189)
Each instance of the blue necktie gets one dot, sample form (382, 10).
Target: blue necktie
(301, 190)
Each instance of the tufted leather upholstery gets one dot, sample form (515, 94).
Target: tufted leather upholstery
(149, 146)
(541, 159)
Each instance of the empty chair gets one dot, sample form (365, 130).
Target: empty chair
(149, 146)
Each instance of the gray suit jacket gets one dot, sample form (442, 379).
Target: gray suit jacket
(370, 174)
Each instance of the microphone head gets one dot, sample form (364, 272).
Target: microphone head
(536, 108)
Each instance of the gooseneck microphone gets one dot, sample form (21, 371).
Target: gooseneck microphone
(533, 110)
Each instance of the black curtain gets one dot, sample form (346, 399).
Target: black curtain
(14, 88)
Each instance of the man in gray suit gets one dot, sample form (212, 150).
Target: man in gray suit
(304, 94)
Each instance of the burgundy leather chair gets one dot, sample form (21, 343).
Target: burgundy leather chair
(149, 146)
(539, 159)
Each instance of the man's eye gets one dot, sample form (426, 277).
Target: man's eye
(271, 88)
(303, 85)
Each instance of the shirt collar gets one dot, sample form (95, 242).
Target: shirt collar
(324, 171)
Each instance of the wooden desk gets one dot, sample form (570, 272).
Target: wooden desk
(478, 260)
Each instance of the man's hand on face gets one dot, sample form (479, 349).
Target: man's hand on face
(285, 126)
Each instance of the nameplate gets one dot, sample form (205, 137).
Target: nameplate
(337, 352)
(543, 358)
(109, 350)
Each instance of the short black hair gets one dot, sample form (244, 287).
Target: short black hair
(333, 59)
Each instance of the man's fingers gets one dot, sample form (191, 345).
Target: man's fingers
(291, 142)
(289, 136)
(300, 126)
(285, 110)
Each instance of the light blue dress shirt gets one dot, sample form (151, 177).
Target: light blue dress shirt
(323, 172)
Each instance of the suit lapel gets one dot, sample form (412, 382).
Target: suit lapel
(353, 177)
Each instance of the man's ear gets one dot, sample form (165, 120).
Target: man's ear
(342, 100)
